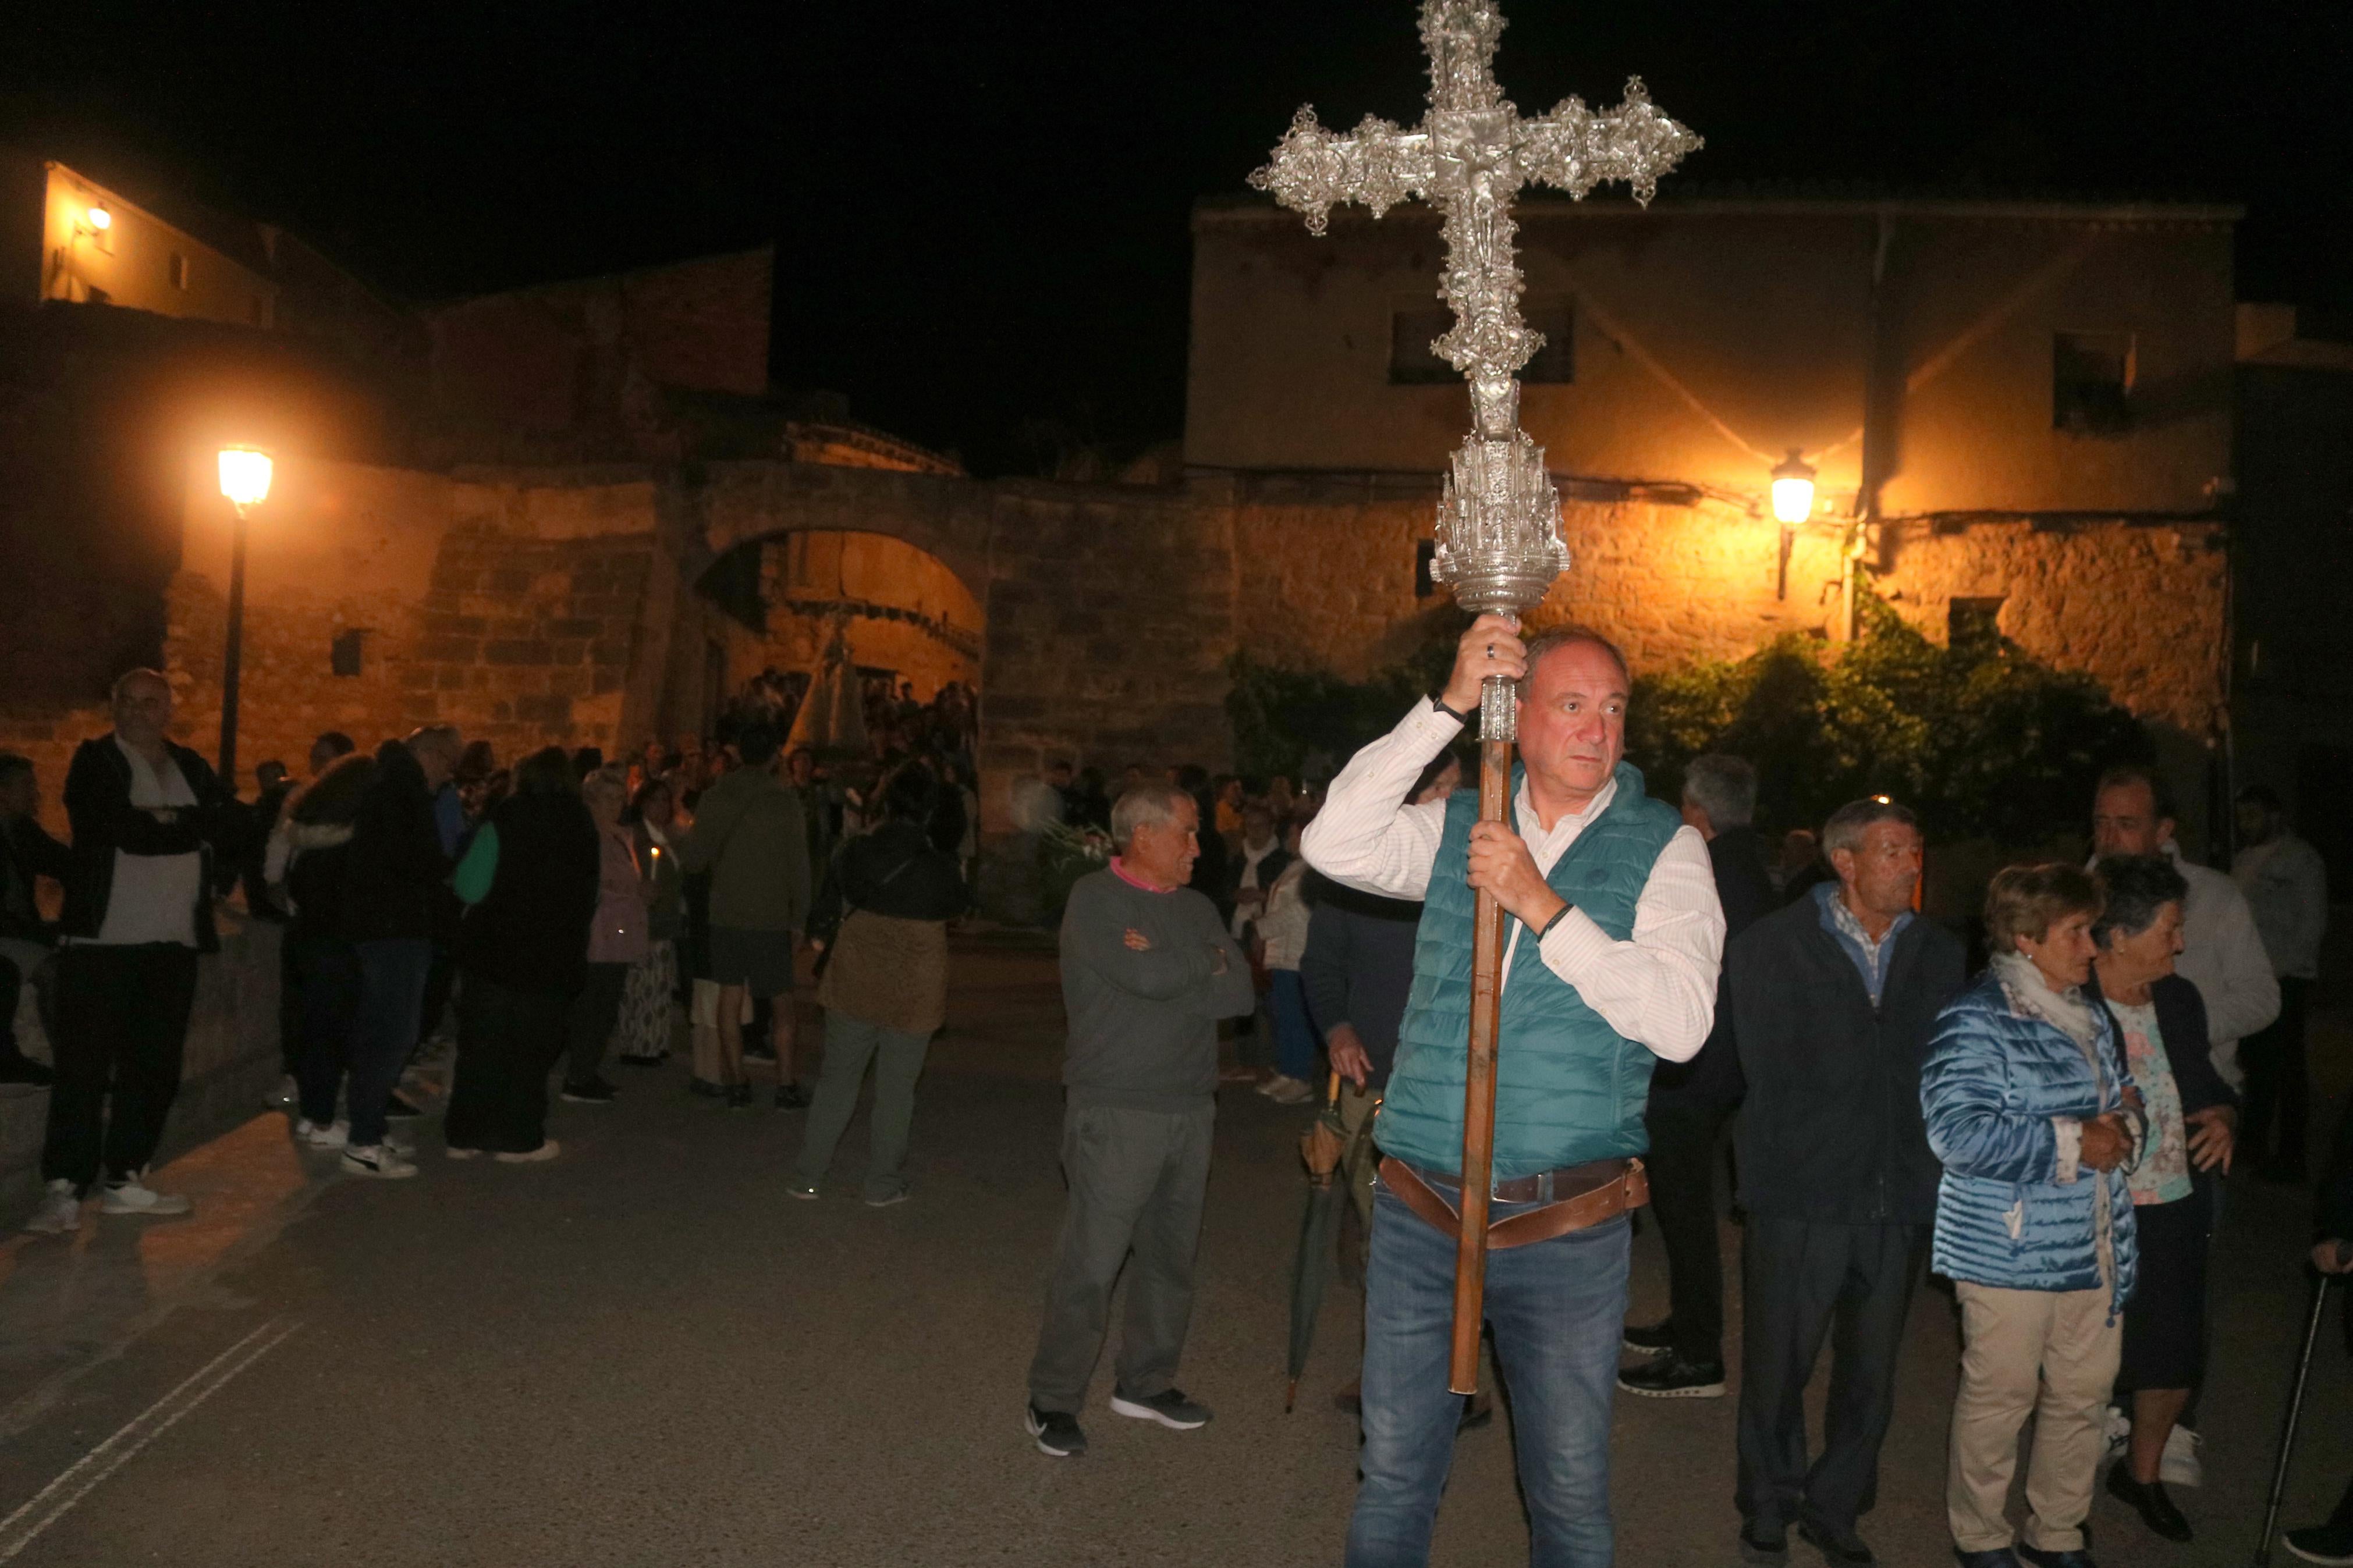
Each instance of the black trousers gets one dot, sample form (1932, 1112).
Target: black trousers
(2278, 1088)
(594, 1013)
(1681, 1169)
(122, 1027)
(1801, 1281)
(507, 1041)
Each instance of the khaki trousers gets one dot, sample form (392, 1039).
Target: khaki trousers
(2051, 1353)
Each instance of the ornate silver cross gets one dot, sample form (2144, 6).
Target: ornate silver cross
(1499, 541)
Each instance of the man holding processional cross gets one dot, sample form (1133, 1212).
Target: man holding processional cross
(1570, 932)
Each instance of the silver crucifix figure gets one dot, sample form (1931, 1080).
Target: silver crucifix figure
(1499, 541)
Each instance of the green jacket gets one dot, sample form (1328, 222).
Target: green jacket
(1568, 1087)
(748, 834)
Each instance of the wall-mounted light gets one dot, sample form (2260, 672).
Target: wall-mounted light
(1793, 489)
(100, 219)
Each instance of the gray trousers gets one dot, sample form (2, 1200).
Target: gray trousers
(1804, 1282)
(897, 1059)
(1137, 1179)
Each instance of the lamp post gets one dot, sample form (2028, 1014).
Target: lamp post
(245, 481)
(1793, 502)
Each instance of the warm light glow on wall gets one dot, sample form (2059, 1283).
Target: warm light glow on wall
(100, 218)
(1793, 489)
(245, 476)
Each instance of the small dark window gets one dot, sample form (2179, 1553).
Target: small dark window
(1974, 623)
(2091, 382)
(179, 271)
(1425, 555)
(1413, 363)
(344, 654)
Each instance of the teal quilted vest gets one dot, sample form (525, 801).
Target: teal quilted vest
(1568, 1087)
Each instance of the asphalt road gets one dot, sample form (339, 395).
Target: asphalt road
(643, 1352)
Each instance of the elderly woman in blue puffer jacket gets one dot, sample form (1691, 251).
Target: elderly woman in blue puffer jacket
(2030, 1108)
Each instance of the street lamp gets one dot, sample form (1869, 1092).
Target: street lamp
(1793, 489)
(244, 475)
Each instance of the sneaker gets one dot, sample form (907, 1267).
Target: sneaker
(739, 1097)
(333, 1135)
(129, 1195)
(1058, 1432)
(60, 1210)
(884, 1200)
(455, 1153)
(286, 1096)
(1672, 1377)
(2330, 1543)
(792, 1097)
(1656, 1339)
(596, 1093)
(377, 1160)
(2118, 1433)
(401, 1108)
(796, 1188)
(1289, 1090)
(404, 1147)
(1171, 1409)
(547, 1149)
(2184, 1464)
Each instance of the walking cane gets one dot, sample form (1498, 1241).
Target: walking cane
(2287, 1427)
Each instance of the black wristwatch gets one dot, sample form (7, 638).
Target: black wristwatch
(1437, 700)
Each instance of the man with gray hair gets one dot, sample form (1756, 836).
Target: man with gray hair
(1147, 970)
(1833, 999)
(1690, 1104)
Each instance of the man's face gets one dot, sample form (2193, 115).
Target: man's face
(322, 755)
(2124, 821)
(270, 775)
(1879, 875)
(1573, 719)
(1164, 852)
(2257, 824)
(20, 794)
(142, 712)
(1258, 825)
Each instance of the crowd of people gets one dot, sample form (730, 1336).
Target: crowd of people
(2048, 1137)
(544, 918)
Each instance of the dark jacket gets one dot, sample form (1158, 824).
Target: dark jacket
(98, 805)
(27, 851)
(2188, 1045)
(1745, 891)
(394, 870)
(1358, 968)
(1831, 1128)
(895, 870)
(530, 932)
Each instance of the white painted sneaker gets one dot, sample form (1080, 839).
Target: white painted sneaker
(1291, 1091)
(2184, 1464)
(2118, 1433)
(377, 1160)
(60, 1211)
(334, 1135)
(132, 1195)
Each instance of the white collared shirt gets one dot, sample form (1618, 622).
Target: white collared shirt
(1659, 987)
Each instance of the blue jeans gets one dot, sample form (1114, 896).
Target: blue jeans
(392, 996)
(1294, 1031)
(1557, 1309)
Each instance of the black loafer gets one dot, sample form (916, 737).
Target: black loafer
(1836, 1543)
(2000, 1557)
(2078, 1557)
(1763, 1542)
(2147, 1499)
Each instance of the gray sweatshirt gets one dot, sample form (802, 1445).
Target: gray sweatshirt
(1143, 1024)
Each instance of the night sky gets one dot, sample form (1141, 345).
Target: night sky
(981, 208)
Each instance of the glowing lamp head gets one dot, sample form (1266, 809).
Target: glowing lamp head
(245, 476)
(1793, 489)
(100, 218)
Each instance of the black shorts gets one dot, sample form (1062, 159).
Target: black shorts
(761, 961)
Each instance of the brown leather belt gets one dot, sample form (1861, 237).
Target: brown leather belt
(1574, 1197)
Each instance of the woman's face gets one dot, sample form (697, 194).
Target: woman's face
(603, 808)
(2064, 953)
(658, 808)
(2129, 962)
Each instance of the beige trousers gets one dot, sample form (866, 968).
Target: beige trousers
(2051, 1353)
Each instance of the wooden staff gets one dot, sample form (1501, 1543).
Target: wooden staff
(1479, 1080)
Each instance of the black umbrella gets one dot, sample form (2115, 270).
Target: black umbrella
(1324, 1148)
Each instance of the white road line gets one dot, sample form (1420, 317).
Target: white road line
(85, 1474)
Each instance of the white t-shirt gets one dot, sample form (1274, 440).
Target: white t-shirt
(154, 896)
